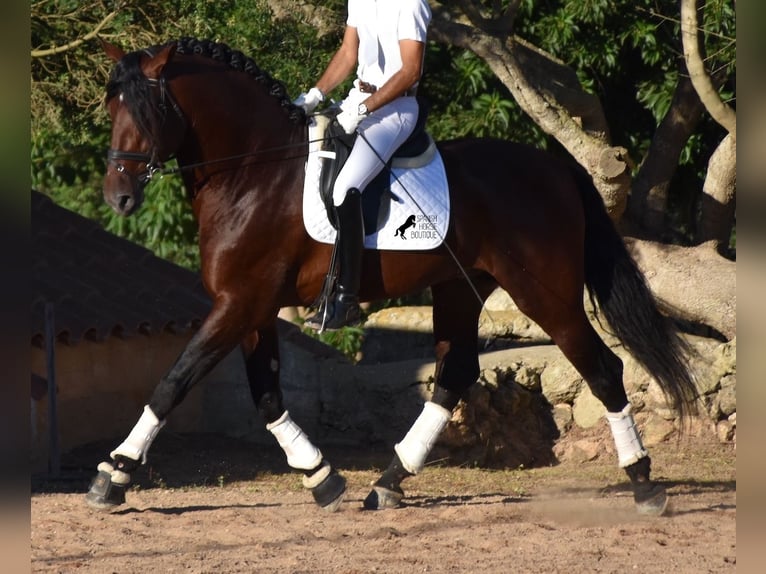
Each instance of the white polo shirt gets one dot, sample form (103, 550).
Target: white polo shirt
(381, 24)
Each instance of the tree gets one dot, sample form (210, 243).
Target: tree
(717, 209)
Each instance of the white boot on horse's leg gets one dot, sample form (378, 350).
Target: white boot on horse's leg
(107, 489)
(409, 458)
(327, 486)
(650, 497)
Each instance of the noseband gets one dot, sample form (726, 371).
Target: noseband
(153, 163)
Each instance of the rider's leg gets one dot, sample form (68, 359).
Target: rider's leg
(381, 134)
(345, 310)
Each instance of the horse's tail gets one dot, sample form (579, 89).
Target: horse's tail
(615, 282)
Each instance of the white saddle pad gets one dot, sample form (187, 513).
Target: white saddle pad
(417, 219)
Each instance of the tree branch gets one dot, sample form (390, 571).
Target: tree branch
(549, 92)
(720, 112)
(74, 43)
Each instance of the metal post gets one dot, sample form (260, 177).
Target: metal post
(54, 455)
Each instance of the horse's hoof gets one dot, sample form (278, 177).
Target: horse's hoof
(329, 493)
(105, 494)
(655, 504)
(381, 498)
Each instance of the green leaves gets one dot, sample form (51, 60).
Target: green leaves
(164, 224)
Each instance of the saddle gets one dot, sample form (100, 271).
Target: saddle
(417, 150)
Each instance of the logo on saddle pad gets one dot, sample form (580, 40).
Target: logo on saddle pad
(411, 206)
(405, 226)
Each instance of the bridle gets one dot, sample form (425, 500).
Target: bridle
(154, 164)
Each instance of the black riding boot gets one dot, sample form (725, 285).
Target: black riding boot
(344, 309)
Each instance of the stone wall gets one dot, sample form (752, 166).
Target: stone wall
(528, 404)
(529, 398)
(102, 389)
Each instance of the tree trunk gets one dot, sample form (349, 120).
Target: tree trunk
(695, 283)
(718, 195)
(549, 92)
(648, 201)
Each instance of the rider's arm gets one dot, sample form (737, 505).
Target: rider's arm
(342, 64)
(409, 74)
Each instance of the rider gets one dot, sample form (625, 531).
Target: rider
(385, 41)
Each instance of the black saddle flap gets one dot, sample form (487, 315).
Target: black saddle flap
(377, 195)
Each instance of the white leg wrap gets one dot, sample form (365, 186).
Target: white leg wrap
(626, 437)
(420, 439)
(136, 446)
(301, 454)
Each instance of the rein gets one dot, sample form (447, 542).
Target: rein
(172, 170)
(155, 166)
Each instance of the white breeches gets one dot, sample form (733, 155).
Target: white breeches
(385, 130)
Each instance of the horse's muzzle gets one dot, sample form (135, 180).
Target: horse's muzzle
(123, 202)
(123, 192)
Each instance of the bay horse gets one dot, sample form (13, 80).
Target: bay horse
(521, 219)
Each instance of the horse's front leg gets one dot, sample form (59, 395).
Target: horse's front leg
(218, 335)
(261, 351)
(457, 368)
(411, 452)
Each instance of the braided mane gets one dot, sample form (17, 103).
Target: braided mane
(128, 79)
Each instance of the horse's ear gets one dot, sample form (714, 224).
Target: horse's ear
(111, 50)
(153, 67)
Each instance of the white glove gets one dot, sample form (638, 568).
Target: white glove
(309, 100)
(349, 120)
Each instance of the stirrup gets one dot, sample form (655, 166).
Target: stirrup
(344, 311)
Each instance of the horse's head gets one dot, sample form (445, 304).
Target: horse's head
(147, 124)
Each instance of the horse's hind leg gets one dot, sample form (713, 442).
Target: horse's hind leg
(456, 312)
(212, 342)
(261, 350)
(602, 371)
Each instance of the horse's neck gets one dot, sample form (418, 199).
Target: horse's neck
(222, 140)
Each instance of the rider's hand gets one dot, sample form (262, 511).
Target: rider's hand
(309, 100)
(349, 120)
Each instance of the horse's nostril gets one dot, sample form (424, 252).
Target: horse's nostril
(124, 202)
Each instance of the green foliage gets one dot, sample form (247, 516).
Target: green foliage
(348, 340)
(629, 53)
(165, 223)
(467, 99)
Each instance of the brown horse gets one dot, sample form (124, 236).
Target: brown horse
(521, 219)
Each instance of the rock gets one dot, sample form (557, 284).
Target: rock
(587, 410)
(562, 416)
(560, 382)
(656, 429)
(585, 450)
(725, 431)
(528, 378)
(727, 396)
(656, 401)
(499, 300)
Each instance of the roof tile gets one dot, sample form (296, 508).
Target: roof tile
(102, 285)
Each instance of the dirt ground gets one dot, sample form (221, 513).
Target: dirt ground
(212, 505)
